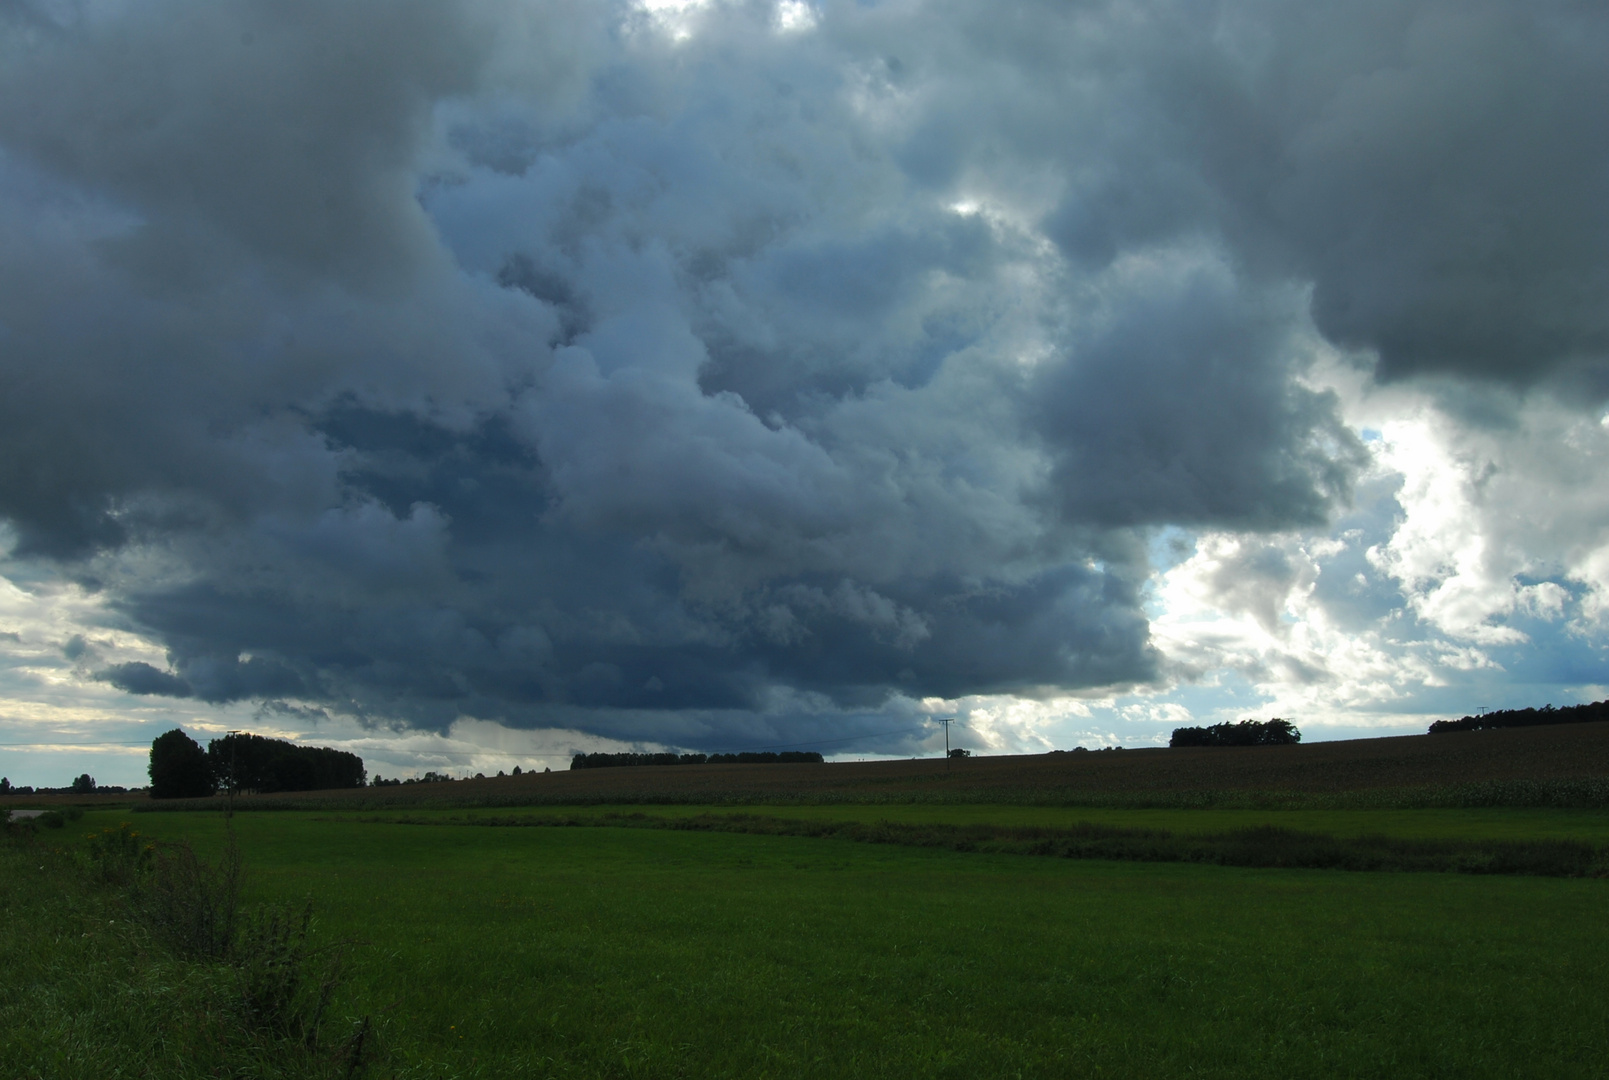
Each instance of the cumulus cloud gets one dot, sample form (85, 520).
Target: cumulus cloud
(733, 374)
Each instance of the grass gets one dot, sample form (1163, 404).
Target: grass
(1519, 825)
(610, 952)
(90, 992)
(1273, 844)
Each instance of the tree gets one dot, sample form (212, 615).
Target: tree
(83, 784)
(179, 767)
(1275, 732)
(253, 763)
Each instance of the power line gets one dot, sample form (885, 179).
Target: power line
(70, 745)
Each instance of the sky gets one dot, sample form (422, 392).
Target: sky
(471, 383)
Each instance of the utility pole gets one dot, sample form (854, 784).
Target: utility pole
(234, 742)
(946, 721)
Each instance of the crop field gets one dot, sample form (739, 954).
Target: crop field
(616, 951)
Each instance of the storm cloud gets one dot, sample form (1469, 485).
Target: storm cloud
(734, 374)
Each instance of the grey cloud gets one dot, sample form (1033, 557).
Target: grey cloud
(1443, 193)
(286, 129)
(141, 678)
(398, 361)
(1180, 408)
(1431, 169)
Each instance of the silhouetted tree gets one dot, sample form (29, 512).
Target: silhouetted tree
(83, 784)
(179, 768)
(264, 765)
(1505, 718)
(1275, 732)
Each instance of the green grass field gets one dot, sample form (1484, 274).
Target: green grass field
(611, 952)
(1591, 826)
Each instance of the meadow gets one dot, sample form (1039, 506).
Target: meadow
(612, 949)
(1119, 914)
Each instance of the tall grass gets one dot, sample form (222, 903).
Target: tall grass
(130, 959)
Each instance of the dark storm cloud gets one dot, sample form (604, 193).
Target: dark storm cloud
(517, 361)
(141, 678)
(1179, 409)
(1433, 170)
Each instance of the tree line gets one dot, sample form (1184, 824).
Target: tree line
(1506, 718)
(83, 784)
(766, 757)
(1275, 732)
(181, 769)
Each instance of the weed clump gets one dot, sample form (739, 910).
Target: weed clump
(251, 989)
(191, 903)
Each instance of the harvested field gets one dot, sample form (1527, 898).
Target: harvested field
(1565, 765)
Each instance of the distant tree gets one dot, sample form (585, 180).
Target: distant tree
(5, 786)
(259, 764)
(179, 767)
(516, 770)
(1275, 732)
(958, 752)
(1504, 718)
(83, 784)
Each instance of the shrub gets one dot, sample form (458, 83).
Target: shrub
(285, 989)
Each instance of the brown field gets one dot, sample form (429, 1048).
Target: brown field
(1560, 753)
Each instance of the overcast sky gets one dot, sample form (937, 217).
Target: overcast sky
(471, 382)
